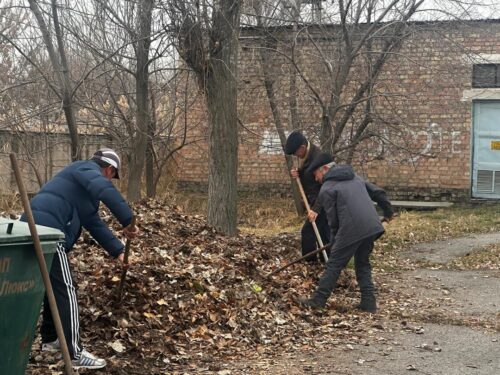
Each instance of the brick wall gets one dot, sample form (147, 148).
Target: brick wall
(432, 159)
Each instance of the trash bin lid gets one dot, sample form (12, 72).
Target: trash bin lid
(21, 232)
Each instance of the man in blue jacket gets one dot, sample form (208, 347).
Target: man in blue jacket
(354, 224)
(68, 202)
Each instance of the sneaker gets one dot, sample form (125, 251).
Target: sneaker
(88, 360)
(51, 347)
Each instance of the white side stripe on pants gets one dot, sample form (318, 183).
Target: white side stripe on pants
(73, 303)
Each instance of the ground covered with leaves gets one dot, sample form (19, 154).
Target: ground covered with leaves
(195, 300)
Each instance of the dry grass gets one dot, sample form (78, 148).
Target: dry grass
(268, 216)
(257, 214)
(10, 204)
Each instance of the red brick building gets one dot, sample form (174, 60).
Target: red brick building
(444, 83)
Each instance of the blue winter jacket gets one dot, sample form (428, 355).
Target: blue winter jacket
(71, 200)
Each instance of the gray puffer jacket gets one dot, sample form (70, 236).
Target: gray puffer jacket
(347, 200)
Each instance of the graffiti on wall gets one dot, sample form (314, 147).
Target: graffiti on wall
(270, 143)
(431, 141)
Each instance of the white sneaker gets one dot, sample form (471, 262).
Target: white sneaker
(51, 347)
(88, 360)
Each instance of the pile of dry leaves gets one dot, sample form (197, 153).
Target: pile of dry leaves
(195, 299)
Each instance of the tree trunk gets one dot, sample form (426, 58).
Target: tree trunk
(221, 97)
(292, 100)
(67, 95)
(69, 113)
(215, 68)
(142, 96)
(150, 178)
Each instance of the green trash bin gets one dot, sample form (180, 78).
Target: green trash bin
(21, 290)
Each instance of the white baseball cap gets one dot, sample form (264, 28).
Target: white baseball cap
(109, 156)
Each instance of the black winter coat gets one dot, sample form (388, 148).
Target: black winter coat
(310, 185)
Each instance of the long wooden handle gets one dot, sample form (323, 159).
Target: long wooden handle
(43, 266)
(298, 260)
(315, 227)
(125, 261)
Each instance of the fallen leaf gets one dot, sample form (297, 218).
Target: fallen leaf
(117, 346)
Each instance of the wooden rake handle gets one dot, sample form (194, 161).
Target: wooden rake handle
(323, 248)
(315, 227)
(125, 261)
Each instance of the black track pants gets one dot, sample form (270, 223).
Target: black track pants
(67, 304)
(339, 259)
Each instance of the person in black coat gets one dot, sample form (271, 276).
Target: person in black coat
(68, 202)
(354, 224)
(306, 152)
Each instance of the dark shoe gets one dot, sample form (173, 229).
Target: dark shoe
(311, 302)
(368, 305)
(312, 259)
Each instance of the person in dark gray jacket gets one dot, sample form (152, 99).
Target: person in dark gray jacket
(354, 227)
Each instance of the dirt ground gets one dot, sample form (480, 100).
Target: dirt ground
(460, 336)
(433, 349)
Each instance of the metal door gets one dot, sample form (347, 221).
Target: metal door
(486, 150)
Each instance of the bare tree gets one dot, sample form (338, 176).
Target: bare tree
(207, 41)
(143, 119)
(169, 132)
(120, 46)
(338, 60)
(119, 84)
(60, 66)
(269, 44)
(26, 115)
(138, 36)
